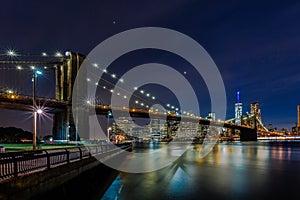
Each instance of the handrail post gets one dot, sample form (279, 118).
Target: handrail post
(80, 153)
(48, 160)
(15, 166)
(68, 156)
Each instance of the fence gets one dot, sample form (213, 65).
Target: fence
(15, 164)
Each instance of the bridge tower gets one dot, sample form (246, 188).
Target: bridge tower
(238, 109)
(64, 126)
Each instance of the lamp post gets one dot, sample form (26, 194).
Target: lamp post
(35, 110)
(108, 128)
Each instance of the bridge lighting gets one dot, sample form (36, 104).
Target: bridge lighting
(168, 105)
(19, 68)
(148, 95)
(96, 84)
(95, 65)
(153, 97)
(11, 52)
(32, 67)
(88, 102)
(142, 104)
(136, 102)
(125, 97)
(111, 91)
(58, 54)
(118, 94)
(135, 88)
(104, 70)
(184, 112)
(142, 91)
(122, 80)
(147, 106)
(39, 111)
(44, 54)
(113, 76)
(104, 87)
(45, 67)
(172, 107)
(68, 53)
(176, 109)
(88, 79)
(10, 91)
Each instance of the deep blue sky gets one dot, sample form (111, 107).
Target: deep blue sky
(255, 44)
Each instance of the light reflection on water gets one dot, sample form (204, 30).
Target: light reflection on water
(251, 170)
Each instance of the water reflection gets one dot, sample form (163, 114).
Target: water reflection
(231, 171)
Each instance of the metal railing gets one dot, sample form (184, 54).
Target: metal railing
(15, 164)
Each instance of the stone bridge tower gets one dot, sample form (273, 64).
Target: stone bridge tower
(64, 126)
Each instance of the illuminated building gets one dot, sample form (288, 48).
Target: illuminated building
(255, 110)
(212, 116)
(238, 109)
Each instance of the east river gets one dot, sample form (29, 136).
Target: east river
(233, 170)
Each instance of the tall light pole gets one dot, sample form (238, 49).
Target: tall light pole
(35, 109)
(108, 128)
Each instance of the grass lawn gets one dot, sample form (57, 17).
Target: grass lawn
(26, 147)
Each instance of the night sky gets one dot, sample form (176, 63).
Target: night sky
(255, 44)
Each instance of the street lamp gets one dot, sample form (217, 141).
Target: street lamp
(35, 109)
(108, 128)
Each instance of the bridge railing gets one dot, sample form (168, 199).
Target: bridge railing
(15, 164)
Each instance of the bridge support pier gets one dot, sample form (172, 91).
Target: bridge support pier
(248, 134)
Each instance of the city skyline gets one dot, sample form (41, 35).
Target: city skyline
(255, 47)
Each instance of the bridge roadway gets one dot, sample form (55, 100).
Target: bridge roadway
(24, 102)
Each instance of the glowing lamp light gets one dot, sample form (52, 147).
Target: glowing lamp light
(39, 111)
(38, 72)
(11, 52)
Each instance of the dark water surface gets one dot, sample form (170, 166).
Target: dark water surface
(250, 170)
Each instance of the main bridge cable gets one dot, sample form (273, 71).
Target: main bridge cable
(146, 100)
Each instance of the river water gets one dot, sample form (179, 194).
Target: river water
(236, 170)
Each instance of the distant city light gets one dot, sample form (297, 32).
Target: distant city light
(19, 68)
(44, 54)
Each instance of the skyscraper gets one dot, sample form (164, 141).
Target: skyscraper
(255, 110)
(238, 109)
